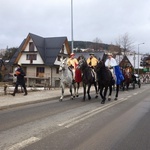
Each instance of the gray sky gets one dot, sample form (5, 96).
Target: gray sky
(103, 19)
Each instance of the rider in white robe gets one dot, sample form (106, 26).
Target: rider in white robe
(111, 63)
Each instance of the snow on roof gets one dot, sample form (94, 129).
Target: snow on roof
(132, 58)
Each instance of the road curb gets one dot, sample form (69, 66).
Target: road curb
(29, 102)
(36, 101)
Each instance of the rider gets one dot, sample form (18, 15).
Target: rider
(111, 63)
(72, 62)
(128, 69)
(92, 62)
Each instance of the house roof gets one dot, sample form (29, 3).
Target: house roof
(2, 64)
(14, 58)
(133, 59)
(48, 48)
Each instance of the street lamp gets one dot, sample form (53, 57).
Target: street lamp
(72, 26)
(138, 58)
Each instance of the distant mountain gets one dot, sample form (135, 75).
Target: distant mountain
(89, 45)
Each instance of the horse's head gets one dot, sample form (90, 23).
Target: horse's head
(82, 63)
(63, 64)
(99, 65)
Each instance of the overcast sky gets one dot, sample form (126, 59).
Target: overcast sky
(103, 19)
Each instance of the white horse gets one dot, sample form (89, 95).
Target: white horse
(66, 79)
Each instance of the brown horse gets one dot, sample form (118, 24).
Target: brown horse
(127, 79)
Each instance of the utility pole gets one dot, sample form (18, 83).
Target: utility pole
(72, 42)
(139, 58)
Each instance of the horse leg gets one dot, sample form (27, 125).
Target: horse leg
(105, 92)
(84, 91)
(88, 91)
(96, 90)
(101, 94)
(77, 91)
(62, 92)
(128, 82)
(71, 92)
(123, 86)
(117, 91)
(110, 92)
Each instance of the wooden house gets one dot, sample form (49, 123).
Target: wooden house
(40, 57)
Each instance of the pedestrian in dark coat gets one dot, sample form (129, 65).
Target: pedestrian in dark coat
(19, 73)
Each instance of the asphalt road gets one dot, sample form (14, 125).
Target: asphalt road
(76, 125)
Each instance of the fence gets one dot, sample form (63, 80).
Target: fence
(145, 78)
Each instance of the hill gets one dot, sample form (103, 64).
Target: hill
(89, 45)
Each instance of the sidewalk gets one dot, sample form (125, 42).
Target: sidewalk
(9, 101)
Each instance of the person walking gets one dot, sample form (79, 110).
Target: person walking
(19, 73)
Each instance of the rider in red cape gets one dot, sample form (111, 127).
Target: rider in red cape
(78, 77)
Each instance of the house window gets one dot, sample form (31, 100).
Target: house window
(62, 49)
(31, 46)
(58, 58)
(40, 71)
(57, 70)
(31, 57)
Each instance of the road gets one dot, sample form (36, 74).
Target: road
(75, 125)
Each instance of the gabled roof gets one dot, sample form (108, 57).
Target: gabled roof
(133, 59)
(48, 48)
(53, 47)
(2, 65)
(14, 58)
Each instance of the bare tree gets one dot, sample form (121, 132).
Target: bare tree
(97, 42)
(125, 43)
(115, 49)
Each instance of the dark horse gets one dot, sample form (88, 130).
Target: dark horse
(88, 78)
(105, 81)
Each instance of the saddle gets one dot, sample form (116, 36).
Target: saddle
(93, 73)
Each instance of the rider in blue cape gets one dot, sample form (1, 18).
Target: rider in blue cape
(114, 68)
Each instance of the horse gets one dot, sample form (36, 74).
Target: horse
(88, 78)
(106, 81)
(66, 79)
(128, 78)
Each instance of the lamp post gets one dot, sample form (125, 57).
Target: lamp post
(138, 58)
(72, 26)
(134, 61)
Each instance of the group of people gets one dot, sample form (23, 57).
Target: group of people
(72, 62)
(92, 62)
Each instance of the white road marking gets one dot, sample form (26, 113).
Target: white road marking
(135, 93)
(24, 143)
(129, 96)
(72, 122)
(84, 116)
